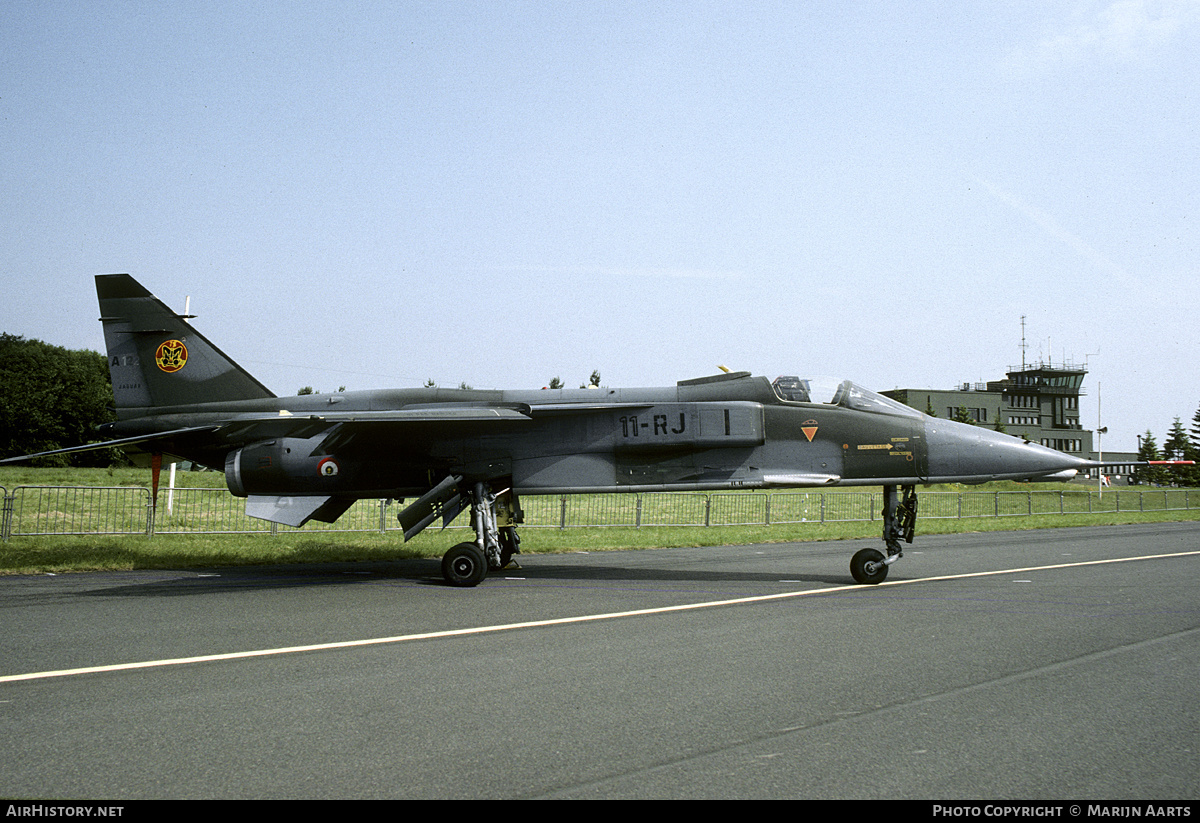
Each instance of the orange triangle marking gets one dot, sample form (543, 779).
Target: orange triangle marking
(809, 432)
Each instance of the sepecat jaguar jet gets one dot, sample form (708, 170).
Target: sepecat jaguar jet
(295, 459)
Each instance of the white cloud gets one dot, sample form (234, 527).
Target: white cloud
(1123, 30)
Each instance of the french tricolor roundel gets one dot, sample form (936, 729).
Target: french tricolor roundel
(328, 467)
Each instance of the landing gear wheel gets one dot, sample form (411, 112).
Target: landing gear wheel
(867, 567)
(464, 565)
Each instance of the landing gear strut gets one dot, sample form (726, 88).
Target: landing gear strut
(496, 540)
(899, 523)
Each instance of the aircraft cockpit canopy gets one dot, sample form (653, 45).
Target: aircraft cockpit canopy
(845, 393)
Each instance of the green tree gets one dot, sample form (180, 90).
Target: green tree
(1195, 438)
(1148, 450)
(1189, 475)
(555, 383)
(929, 410)
(53, 398)
(961, 415)
(1176, 443)
(1177, 446)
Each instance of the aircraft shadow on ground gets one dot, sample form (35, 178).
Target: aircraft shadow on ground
(427, 572)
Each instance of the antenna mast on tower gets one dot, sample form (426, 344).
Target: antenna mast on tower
(1024, 346)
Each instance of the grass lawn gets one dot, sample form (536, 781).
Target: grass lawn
(58, 553)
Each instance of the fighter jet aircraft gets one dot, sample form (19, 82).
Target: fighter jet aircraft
(295, 459)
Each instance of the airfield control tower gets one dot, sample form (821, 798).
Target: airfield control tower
(1037, 402)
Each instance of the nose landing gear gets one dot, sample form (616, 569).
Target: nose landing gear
(870, 566)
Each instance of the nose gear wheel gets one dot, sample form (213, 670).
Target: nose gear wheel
(870, 566)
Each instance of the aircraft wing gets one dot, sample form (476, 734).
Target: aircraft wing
(163, 440)
(342, 427)
(246, 428)
(558, 409)
(286, 424)
(249, 427)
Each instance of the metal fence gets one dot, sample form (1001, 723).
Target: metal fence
(62, 510)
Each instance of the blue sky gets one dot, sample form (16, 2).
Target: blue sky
(375, 194)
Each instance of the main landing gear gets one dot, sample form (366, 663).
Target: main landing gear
(899, 522)
(496, 540)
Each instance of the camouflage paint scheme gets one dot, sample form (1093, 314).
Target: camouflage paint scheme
(306, 457)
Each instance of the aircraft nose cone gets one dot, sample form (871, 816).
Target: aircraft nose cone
(962, 453)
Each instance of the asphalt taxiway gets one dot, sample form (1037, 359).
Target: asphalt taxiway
(1057, 664)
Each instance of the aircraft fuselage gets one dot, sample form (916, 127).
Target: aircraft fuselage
(725, 432)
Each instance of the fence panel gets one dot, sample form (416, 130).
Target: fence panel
(978, 504)
(49, 510)
(1047, 502)
(939, 505)
(849, 506)
(1157, 500)
(542, 510)
(40, 510)
(216, 511)
(205, 511)
(673, 509)
(1074, 502)
(738, 509)
(600, 510)
(1012, 504)
(1163, 500)
(797, 507)
(1178, 499)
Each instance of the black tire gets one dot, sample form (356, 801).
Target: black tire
(867, 567)
(464, 565)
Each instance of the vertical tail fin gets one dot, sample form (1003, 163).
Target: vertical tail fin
(157, 359)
